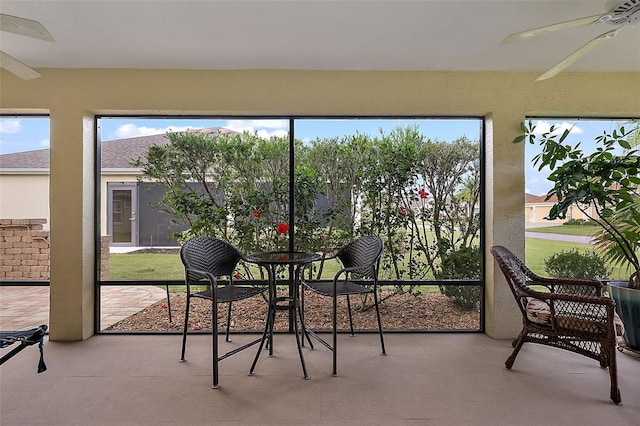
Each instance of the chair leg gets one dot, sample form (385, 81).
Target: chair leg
(514, 354)
(184, 330)
(350, 318)
(613, 374)
(301, 314)
(214, 343)
(515, 341)
(334, 321)
(605, 356)
(375, 299)
(169, 304)
(227, 336)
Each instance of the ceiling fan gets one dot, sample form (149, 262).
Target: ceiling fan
(25, 27)
(620, 14)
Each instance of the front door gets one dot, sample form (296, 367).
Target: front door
(122, 203)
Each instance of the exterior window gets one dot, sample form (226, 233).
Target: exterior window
(562, 247)
(24, 221)
(415, 182)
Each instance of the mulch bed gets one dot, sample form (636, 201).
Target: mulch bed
(399, 312)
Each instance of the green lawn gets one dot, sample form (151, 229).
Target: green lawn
(145, 266)
(537, 250)
(154, 266)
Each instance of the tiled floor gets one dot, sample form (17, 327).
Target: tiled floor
(27, 307)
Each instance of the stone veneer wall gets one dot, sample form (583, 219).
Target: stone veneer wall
(24, 251)
(105, 243)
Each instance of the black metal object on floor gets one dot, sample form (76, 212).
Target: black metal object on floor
(24, 338)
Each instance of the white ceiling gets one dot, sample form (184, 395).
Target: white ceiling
(318, 35)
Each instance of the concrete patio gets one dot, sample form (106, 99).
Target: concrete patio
(440, 379)
(426, 379)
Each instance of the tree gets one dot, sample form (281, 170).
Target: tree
(191, 168)
(401, 186)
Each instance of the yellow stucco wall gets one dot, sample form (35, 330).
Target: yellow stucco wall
(536, 213)
(73, 97)
(25, 196)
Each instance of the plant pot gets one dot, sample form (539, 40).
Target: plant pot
(628, 308)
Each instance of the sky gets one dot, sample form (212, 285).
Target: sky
(31, 133)
(582, 131)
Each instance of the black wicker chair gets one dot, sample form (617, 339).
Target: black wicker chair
(360, 259)
(205, 260)
(564, 313)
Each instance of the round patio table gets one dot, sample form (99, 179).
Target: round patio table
(270, 261)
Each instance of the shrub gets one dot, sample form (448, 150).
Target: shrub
(463, 263)
(576, 264)
(580, 222)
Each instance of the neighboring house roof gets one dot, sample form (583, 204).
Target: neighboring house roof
(528, 196)
(116, 154)
(38, 159)
(120, 153)
(541, 199)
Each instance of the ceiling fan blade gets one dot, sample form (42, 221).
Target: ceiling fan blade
(16, 67)
(25, 27)
(578, 53)
(557, 27)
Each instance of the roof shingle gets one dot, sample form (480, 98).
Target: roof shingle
(116, 154)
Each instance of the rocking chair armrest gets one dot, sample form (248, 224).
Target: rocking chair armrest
(553, 282)
(569, 310)
(551, 298)
(578, 298)
(582, 313)
(563, 304)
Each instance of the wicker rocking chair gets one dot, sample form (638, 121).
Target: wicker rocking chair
(568, 314)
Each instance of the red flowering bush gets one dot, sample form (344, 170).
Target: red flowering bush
(282, 228)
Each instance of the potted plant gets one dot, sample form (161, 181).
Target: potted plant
(604, 186)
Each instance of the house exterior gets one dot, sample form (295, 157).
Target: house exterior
(126, 213)
(537, 208)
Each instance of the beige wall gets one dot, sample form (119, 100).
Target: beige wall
(536, 213)
(25, 196)
(73, 97)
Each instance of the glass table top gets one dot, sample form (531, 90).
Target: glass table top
(283, 257)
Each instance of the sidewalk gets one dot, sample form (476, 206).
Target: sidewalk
(559, 237)
(23, 307)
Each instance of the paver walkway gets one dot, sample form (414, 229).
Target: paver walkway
(23, 307)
